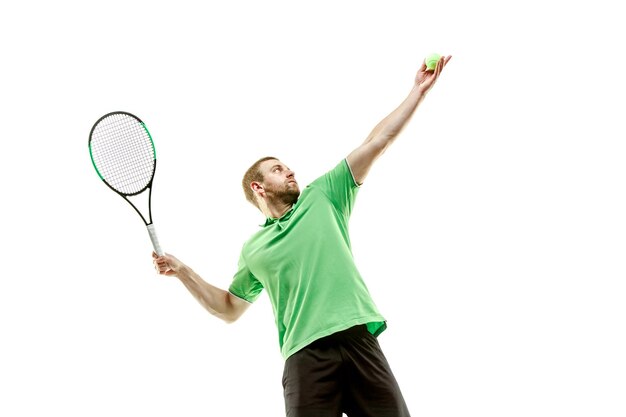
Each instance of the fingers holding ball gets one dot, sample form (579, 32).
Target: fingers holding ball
(431, 61)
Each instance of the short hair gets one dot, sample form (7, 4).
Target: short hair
(253, 174)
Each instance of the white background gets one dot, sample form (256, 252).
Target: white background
(492, 234)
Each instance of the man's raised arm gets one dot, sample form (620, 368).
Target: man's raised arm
(385, 132)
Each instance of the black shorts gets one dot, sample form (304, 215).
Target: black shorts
(342, 373)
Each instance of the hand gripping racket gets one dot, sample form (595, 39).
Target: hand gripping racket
(123, 154)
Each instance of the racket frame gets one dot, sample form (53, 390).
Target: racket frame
(148, 222)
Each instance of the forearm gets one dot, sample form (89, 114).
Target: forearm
(383, 135)
(385, 132)
(215, 300)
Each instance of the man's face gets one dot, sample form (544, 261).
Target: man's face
(279, 182)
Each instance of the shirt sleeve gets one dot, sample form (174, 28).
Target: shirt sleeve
(244, 284)
(340, 187)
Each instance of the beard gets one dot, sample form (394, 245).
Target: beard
(286, 194)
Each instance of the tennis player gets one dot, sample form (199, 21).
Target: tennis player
(327, 322)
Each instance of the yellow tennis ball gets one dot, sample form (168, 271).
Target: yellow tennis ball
(431, 61)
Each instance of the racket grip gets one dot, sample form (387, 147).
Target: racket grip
(155, 240)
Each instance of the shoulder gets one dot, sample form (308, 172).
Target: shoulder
(339, 173)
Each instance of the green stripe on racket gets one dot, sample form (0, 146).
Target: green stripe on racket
(123, 154)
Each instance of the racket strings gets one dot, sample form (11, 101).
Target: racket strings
(123, 153)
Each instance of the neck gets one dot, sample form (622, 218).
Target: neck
(275, 211)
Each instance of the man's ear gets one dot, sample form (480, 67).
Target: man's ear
(257, 188)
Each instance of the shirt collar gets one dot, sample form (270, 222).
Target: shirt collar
(271, 220)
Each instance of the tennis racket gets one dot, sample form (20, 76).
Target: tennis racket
(123, 154)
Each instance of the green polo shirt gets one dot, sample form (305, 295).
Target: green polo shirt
(304, 261)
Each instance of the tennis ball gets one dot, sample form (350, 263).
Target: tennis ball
(431, 61)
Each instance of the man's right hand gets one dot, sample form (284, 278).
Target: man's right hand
(167, 264)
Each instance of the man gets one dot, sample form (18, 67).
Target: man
(326, 319)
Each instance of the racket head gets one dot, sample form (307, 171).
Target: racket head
(122, 152)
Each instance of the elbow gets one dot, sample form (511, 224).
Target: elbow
(232, 314)
(229, 319)
(225, 317)
(234, 308)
